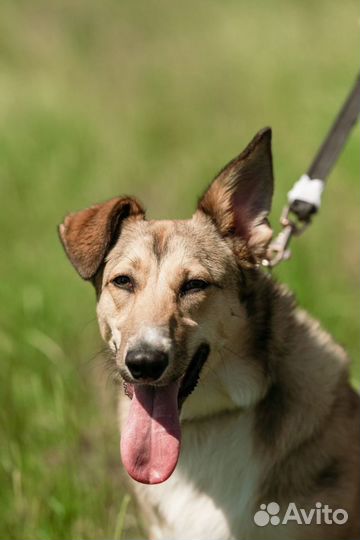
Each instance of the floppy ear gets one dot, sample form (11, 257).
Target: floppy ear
(239, 199)
(88, 235)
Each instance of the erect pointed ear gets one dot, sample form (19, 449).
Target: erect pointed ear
(88, 235)
(239, 199)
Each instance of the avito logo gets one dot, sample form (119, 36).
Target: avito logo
(268, 514)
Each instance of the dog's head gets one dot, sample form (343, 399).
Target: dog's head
(170, 300)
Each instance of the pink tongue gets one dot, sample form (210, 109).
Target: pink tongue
(150, 441)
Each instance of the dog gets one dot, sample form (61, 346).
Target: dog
(236, 404)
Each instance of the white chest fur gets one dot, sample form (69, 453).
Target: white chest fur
(211, 493)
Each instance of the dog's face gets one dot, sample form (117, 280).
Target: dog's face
(170, 292)
(166, 288)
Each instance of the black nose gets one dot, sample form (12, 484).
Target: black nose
(147, 364)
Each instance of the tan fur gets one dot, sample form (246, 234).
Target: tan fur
(273, 417)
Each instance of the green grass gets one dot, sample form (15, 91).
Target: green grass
(147, 98)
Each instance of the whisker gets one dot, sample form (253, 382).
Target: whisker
(112, 369)
(232, 352)
(83, 327)
(99, 355)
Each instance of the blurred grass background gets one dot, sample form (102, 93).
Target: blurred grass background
(146, 98)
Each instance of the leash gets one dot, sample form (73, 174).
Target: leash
(304, 199)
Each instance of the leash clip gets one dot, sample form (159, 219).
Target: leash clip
(279, 248)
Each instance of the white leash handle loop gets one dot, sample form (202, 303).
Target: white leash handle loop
(308, 190)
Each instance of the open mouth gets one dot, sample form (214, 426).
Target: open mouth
(188, 381)
(151, 438)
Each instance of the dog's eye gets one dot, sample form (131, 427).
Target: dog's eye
(193, 285)
(123, 282)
